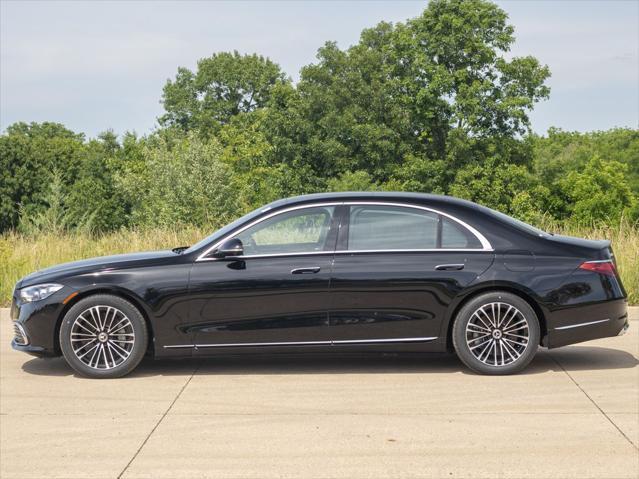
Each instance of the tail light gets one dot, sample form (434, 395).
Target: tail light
(606, 267)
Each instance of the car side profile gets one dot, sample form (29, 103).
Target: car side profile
(334, 272)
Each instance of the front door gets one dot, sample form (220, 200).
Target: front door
(395, 272)
(275, 293)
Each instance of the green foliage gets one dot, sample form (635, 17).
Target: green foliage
(598, 192)
(181, 181)
(29, 154)
(95, 202)
(506, 187)
(352, 181)
(53, 219)
(437, 88)
(224, 85)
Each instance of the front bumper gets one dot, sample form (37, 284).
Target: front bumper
(35, 324)
(38, 351)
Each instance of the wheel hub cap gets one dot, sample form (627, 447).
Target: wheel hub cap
(103, 337)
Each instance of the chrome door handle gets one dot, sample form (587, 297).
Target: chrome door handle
(449, 267)
(309, 270)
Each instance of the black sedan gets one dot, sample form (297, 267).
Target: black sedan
(339, 272)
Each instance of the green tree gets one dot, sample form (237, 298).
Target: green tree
(29, 155)
(181, 181)
(506, 187)
(438, 87)
(224, 85)
(94, 201)
(600, 192)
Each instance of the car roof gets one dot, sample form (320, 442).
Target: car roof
(373, 195)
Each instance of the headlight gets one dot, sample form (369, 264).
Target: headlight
(38, 292)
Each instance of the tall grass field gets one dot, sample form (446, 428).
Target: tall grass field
(22, 254)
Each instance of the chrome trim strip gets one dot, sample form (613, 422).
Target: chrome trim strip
(390, 340)
(20, 330)
(305, 343)
(486, 246)
(285, 343)
(583, 324)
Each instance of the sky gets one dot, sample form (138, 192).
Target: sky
(98, 65)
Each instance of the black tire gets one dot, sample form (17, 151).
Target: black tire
(505, 339)
(131, 339)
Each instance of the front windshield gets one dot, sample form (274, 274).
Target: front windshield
(226, 229)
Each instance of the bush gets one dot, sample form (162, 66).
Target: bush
(181, 181)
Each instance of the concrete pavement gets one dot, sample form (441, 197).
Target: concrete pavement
(573, 413)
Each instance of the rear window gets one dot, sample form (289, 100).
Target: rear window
(375, 227)
(455, 235)
(515, 222)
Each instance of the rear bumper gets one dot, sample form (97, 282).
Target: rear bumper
(576, 324)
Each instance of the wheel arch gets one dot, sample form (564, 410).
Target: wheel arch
(506, 287)
(121, 293)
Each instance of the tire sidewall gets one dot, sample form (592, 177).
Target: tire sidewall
(463, 317)
(139, 328)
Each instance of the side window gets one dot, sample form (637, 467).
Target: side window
(378, 227)
(297, 231)
(455, 235)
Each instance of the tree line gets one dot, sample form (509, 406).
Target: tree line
(434, 104)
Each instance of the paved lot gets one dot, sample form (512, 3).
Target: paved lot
(574, 413)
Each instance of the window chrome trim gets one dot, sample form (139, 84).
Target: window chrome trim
(578, 325)
(486, 246)
(304, 343)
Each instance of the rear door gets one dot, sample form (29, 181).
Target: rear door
(396, 270)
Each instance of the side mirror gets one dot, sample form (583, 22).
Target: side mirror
(230, 248)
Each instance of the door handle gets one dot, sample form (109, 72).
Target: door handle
(449, 267)
(309, 270)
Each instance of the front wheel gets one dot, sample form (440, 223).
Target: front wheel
(103, 336)
(496, 333)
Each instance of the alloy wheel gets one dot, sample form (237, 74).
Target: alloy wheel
(102, 337)
(497, 334)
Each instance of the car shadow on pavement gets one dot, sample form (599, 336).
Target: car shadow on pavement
(571, 358)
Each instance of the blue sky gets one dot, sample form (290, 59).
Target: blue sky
(94, 65)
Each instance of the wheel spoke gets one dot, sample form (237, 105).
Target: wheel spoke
(511, 335)
(490, 320)
(481, 344)
(510, 348)
(479, 337)
(124, 322)
(503, 318)
(487, 326)
(515, 342)
(478, 329)
(92, 330)
(523, 323)
(111, 348)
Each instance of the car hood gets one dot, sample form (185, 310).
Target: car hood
(92, 265)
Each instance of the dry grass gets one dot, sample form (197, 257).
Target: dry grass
(20, 254)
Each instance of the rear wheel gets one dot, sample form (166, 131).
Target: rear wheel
(496, 333)
(103, 336)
